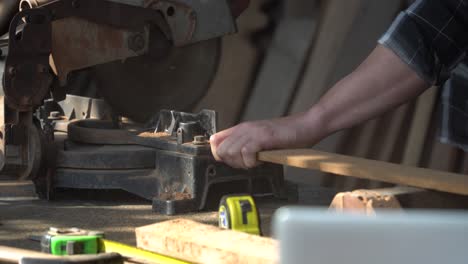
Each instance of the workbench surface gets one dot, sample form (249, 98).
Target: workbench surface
(23, 215)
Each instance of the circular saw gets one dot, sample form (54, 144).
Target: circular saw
(167, 78)
(143, 56)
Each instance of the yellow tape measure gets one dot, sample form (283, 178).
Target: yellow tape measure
(239, 212)
(137, 254)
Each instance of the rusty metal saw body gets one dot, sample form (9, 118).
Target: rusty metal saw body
(175, 78)
(141, 52)
(143, 56)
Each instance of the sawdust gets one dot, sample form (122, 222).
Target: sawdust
(154, 135)
(175, 196)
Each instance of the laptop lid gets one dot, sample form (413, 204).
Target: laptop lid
(311, 235)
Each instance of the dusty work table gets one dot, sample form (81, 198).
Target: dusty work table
(23, 215)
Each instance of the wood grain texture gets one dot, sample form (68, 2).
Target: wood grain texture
(369, 169)
(280, 70)
(200, 243)
(336, 21)
(369, 202)
(419, 127)
(236, 69)
(2, 131)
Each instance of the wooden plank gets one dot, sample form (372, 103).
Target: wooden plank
(419, 127)
(200, 243)
(283, 65)
(16, 190)
(281, 69)
(2, 131)
(236, 69)
(8, 8)
(335, 23)
(369, 169)
(442, 156)
(437, 155)
(363, 143)
(391, 137)
(300, 8)
(464, 164)
(369, 202)
(392, 124)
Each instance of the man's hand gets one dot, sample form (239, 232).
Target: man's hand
(238, 146)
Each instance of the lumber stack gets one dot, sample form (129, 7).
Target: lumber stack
(236, 69)
(201, 243)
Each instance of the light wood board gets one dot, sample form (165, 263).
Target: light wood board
(369, 169)
(200, 243)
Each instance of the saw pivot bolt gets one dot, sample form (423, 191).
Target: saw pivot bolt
(199, 140)
(136, 42)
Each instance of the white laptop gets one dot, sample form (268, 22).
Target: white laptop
(309, 235)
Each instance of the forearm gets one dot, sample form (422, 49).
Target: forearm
(380, 83)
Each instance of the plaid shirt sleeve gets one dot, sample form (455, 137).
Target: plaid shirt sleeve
(431, 36)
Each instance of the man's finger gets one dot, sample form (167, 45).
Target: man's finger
(249, 155)
(217, 139)
(230, 148)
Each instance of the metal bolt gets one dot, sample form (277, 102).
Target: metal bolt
(136, 42)
(25, 101)
(170, 11)
(180, 136)
(199, 140)
(193, 15)
(75, 4)
(12, 70)
(211, 171)
(55, 115)
(41, 68)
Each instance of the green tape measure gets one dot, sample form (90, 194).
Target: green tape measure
(73, 241)
(239, 212)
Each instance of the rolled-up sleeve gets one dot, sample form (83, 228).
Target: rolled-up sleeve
(431, 36)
